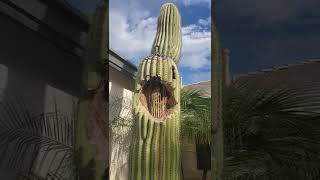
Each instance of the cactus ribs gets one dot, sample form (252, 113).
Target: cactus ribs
(155, 150)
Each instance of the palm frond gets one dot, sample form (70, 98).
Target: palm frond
(29, 140)
(268, 127)
(195, 116)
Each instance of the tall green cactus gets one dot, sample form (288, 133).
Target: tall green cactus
(155, 152)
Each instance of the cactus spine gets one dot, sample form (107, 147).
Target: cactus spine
(155, 152)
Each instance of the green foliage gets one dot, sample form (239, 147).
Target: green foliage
(196, 122)
(268, 134)
(196, 116)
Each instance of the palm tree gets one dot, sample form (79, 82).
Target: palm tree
(196, 120)
(35, 142)
(40, 146)
(267, 135)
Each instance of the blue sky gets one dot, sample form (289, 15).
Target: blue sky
(260, 34)
(133, 28)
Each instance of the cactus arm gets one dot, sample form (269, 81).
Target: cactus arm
(168, 37)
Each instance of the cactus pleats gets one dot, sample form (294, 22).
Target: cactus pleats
(155, 152)
(168, 37)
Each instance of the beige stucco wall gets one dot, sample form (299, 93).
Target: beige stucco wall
(189, 161)
(120, 97)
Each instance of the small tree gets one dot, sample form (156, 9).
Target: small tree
(267, 135)
(196, 123)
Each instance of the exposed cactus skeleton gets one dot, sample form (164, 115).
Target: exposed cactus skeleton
(155, 152)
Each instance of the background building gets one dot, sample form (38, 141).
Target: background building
(121, 86)
(40, 67)
(302, 76)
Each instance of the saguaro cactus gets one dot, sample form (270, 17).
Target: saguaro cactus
(155, 152)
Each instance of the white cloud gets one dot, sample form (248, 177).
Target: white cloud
(132, 35)
(205, 22)
(130, 39)
(196, 47)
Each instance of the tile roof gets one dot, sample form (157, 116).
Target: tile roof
(205, 86)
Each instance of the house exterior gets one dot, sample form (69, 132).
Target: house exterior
(302, 76)
(41, 45)
(121, 86)
(121, 75)
(40, 66)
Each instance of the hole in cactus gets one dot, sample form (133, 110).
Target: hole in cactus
(157, 98)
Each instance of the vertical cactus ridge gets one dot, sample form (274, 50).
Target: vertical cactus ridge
(148, 158)
(153, 67)
(154, 155)
(148, 63)
(168, 38)
(155, 151)
(157, 66)
(168, 150)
